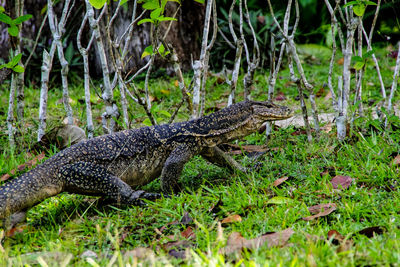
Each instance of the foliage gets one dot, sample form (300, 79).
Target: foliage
(13, 64)
(359, 6)
(12, 28)
(12, 24)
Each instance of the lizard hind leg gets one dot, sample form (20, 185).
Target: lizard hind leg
(89, 178)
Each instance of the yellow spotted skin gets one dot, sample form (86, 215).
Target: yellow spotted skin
(111, 165)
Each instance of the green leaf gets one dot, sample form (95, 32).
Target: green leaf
(155, 13)
(147, 51)
(151, 4)
(359, 65)
(144, 21)
(97, 3)
(370, 3)
(2, 9)
(357, 59)
(165, 113)
(162, 18)
(3, 66)
(14, 61)
(147, 122)
(123, 2)
(359, 9)
(200, 1)
(13, 30)
(6, 19)
(350, 3)
(280, 200)
(18, 68)
(369, 53)
(22, 19)
(161, 49)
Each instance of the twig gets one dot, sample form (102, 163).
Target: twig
(394, 85)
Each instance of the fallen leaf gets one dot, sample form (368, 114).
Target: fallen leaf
(238, 150)
(393, 54)
(327, 127)
(396, 161)
(280, 200)
(341, 182)
(280, 180)
(340, 61)
(232, 219)
(320, 92)
(188, 233)
(328, 96)
(372, 231)
(15, 230)
(5, 177)
(28, 164)
(261, 19)
(236, 242)
(321, 207)
(186, 219)
(323, 212)
(280, 96)
(220, 80)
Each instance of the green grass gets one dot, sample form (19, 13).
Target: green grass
(61, 229)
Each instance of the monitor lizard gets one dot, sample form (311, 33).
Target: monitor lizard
(110, 165)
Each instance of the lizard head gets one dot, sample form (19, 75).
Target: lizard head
(268, 111)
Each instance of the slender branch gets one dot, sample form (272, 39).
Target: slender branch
(394, 84)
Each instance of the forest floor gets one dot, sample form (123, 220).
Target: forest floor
(324, 203)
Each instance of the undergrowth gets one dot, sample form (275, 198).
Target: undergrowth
(78, 230)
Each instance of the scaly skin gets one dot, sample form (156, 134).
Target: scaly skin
(109, 165)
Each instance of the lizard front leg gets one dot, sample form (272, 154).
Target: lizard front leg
(218, 157)
(89, 178)
(173, 167)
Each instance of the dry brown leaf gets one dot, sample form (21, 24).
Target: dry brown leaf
(341, 182)
(320, 92)
(236, 242)
(372, 231)
(325, 212)
(5, 177)
(280, 180)
(188, 233)
(321, 207)
(280, 96)
(232, 219)
(28, 164)
(328, 96)
(396, 160)
(261, 19)
(340, 61)
(327, 127)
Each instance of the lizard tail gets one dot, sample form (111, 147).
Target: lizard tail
(27, 190)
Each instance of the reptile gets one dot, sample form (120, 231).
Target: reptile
(112, 165)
